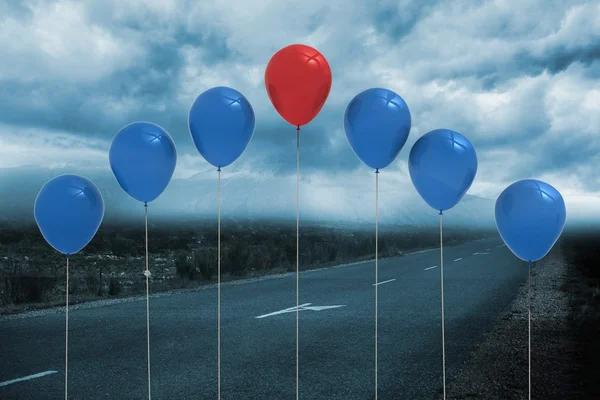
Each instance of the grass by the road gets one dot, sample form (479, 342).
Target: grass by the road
(32, 274)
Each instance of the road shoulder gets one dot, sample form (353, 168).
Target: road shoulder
(498, 367)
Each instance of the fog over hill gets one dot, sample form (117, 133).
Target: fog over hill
(343, 199)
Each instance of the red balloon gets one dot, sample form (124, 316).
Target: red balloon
(298, 81)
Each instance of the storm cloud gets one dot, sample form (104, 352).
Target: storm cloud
(521, 79)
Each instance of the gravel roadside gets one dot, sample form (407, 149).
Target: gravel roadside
(498, 367)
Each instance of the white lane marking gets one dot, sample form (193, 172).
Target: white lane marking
(301, 307)
(321, 308)
(501, 245)
(458, 259)
(487, 249)
(26, 378)
(291, 309)
(435, 266)
(476, 254)
(381, 283)
(479, 254)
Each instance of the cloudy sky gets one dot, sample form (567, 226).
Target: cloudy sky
(520, 79)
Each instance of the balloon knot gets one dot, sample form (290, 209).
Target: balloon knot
(146, 204)
(68, 255)
(298, 128)
(219, 169)
(441, 212)
(376, 170)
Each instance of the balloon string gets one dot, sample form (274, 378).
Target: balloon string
(67, 334)
(147, 298)
(529, 322)
(219, 281)
(376, 270)
(297, 254)
(442, 290)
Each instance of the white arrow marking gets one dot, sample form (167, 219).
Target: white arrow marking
(26, 378)
(287, 310)
(435, 266)
(320, 308)
(381, 283)
(301, 307)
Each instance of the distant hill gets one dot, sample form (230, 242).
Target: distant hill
(346, 199)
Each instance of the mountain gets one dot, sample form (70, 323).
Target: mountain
(334, 198)
(339, 199)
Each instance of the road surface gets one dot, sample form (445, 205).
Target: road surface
(107, 345)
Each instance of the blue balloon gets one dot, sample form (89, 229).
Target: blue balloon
(442, 166)
(221, 122)
(143, 158)
(377, 123)
(530, 216)
(68, 210)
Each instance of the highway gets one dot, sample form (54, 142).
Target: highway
(107, 345)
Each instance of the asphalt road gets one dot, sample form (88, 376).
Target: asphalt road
(107, 345)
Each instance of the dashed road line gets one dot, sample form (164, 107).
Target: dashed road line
(26, 378)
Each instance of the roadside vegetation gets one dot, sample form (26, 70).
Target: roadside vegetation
(32, 274)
